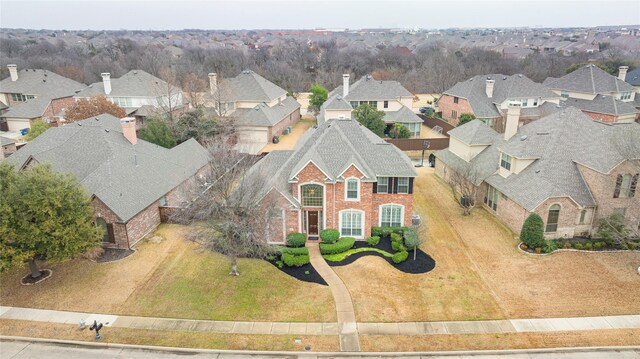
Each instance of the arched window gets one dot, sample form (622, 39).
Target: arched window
(552, 218)
(100, 222)
(312, 195)
(391, 215)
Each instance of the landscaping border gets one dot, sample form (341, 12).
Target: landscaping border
(299, 272)
(423, 263)
(574, 250)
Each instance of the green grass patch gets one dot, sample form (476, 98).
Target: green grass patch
(341, 256)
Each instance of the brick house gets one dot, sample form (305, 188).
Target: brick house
(602, 96)
(8, 147)
(259, 108)
(488, 96)
(129, 180)
(388, 96)
(340, 176)
(566, 167)
(32, 94)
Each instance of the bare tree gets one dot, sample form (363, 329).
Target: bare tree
(169, 94)
(230, 215)
(464, 187)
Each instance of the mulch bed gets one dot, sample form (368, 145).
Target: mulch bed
(114, 254)
(299, 273)
(423, 263)
(29, 280)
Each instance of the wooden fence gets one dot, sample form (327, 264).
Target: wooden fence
(434, 121)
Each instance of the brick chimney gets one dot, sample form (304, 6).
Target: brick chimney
(129, 129)
(213, 82)
(489, 88)
(622, 72)
(13, 72)
(345, 85)
(513, 119)
(106, 80)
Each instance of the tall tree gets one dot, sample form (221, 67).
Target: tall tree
(371, 118)
(318, 96)
(44, 215)
(157, 131)
(94, 106)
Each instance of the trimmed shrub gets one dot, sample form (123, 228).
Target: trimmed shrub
(550, 246)
(400, 257)
(588, 246)
(566, 245)
(329, 235)
(386, 231)
(296, 239)
(411, 239)
(578, 246)
(398, 246)
(599, 245)
(294, 251)
(342, 245)
(373, 240)
(291, 260)
(532, 233)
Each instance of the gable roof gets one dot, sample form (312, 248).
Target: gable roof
(369, 89)
(557, 144)
(589, 79)
(475, 132)
(603, 104)
(30, 109)
(263, 115)
(127, 178)
(504, 87)
(249, 86)
(41, 83)
(6, 141)
(633, 77)
(403, 115)
(135, 83)
(332, 147)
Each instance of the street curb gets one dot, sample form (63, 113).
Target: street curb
(151, 348)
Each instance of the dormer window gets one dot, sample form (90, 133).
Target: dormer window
(525, 102)
(505, 161)
(535, 102)
(625, 96)
(352, 189)
(386, 104)
(564, 94)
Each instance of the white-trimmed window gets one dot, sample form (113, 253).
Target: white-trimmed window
(352, 189)
(403, 185)
(391, 215)
(505, 161)
(626, 96)
(123, 101)
(535, 102)
(383, 185)
(312, 195)
(564, 94)
(351, 223)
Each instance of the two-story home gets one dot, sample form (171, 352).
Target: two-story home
(567, 168)
(260, 109)
(130, 181)
(388, 96)
(488, 96)
(341, 175)
(137, 92)
(32, 94)
(600, 95)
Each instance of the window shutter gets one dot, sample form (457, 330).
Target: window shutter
(395, 184)
(616, 192)
(375, 187)
(634, 185)
(410, 185)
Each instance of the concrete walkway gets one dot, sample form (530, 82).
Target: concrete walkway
(347, 327)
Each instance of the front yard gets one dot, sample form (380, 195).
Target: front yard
(480, 274)
(173, 278)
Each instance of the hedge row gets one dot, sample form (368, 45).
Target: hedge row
(342, 245)
(292, 260)
(386, 231)
(294, 251)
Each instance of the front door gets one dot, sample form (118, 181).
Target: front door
(312, 218)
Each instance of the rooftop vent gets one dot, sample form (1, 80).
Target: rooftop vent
(97, 119)
(542, 133)
(106, 130)
(519, 75)
(339, 97)
(523, 137)
(79, 124)
(504, 78)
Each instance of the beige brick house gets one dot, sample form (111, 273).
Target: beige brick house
(130, 181)
(566, 167)
(342, 176)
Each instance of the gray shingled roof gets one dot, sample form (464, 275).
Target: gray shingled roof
(6, 141)
(127, 178)
(505, 87)
(404, 115)
(30, 109)
(263, 115)
(633, 77)
(334, 146)
(556, 142)
(249, 86)
(133, 83)
(589, 79)
(41, 83)
(369, 89)
(336, 102)
(602, 104)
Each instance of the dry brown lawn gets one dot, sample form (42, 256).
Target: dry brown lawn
(168, 338)
(480, 274)
(173, 278)
(452, 342)
(288, 142)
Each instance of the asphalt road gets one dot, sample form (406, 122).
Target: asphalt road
(22, 349)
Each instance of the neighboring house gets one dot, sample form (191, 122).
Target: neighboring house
(341, 175)
(260, 109)
(567, 168)
(487, 97)
(32, 94)
(605, 109)
(138, 92)
(633, 79)
(8, 147)
(130, 181)
(388, 96)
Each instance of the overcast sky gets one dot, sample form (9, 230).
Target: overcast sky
(308, 14)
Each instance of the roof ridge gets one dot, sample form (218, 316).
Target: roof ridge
(593, 82)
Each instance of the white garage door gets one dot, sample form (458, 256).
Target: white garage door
(252, 140)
